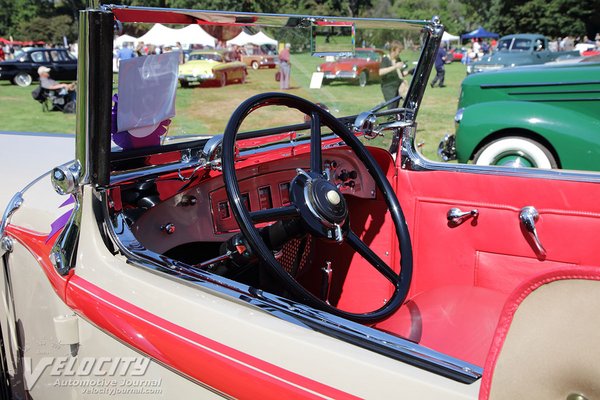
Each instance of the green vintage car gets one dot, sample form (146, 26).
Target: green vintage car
(214, 66)
(536, 116)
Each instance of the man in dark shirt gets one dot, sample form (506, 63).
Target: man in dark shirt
(391, 70)
(440, 62)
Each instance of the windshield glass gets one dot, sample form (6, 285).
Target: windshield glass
(521, 44)
(205, 56)
(203, 97)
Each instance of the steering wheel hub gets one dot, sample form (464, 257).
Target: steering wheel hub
(328, 202)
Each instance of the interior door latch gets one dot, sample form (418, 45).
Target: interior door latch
(528, 217)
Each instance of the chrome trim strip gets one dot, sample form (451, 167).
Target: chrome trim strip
(555, 92)
(15, 203)
(413, 160)
(274, 20)
(517, 85)
(207, 158)
(64, 250)
(82, 117)
(288, 310)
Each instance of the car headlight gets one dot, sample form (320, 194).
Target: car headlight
(318, 68)
(354, 68)
(459, 114)
(469, 69)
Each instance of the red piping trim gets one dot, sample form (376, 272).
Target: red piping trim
(221, 367)
(510, 308)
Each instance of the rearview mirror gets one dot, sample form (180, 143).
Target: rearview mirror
(332, 38)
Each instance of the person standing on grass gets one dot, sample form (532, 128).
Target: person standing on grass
(392, 72)
(284, 68)
(440, 62)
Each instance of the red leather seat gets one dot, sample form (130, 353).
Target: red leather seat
(456, 320)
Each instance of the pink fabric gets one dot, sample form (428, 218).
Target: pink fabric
(510, 308)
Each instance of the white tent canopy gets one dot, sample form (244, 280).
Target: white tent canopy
(240, 39)
(194, 34)
(258, 39)
(447, 37)
(124, 39)
(160, 35)
(261, 38)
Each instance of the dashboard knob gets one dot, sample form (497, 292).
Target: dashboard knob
(168, 228)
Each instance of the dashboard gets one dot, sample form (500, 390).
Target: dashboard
(202, 213)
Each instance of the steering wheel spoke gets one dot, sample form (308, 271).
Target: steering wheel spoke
(316, 165)
(361, 248)
(274, 214)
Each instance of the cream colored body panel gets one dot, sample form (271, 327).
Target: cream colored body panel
(243, 327)
(36, 306)
(27, 156)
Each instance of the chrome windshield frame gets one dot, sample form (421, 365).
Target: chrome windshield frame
(97, 27)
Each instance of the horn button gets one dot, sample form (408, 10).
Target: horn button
(322, 207)
(328, 201)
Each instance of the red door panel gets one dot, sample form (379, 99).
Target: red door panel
(493, 250)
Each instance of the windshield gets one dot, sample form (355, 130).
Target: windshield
(206, 57)
(198, 101)
(514, 44)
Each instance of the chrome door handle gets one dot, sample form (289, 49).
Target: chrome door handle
(457, 216)
(528, 217)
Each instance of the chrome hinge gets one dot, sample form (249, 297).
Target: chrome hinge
(6, 243)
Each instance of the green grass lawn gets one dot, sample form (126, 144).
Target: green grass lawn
(207, 109)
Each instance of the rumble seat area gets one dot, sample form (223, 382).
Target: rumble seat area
(464, 273)
(547, 345)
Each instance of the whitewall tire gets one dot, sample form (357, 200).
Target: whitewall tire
(515, 151)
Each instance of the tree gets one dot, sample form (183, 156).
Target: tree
(550, 17)
(50, 30)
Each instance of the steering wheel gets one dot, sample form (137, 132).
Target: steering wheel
(319, 205)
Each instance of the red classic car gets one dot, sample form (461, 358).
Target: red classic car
(455, 54)
(250, 244)
(362, 68)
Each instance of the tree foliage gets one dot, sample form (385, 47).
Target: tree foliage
(46, 19)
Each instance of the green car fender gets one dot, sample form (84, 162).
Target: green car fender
(577, 146)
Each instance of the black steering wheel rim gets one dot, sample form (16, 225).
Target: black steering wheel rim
(401, 281)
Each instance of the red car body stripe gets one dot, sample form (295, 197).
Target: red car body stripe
(221, 367)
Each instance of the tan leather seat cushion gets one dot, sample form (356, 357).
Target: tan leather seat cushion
(552, 345)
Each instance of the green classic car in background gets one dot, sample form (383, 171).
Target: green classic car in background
(536, 116)
(519, 49)
(215, 66)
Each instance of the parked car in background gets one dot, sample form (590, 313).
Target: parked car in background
(362, 68)
(214, 66)
(537, 116)
(519, 49)
(22, 70)
(256, 57)
(455, 54)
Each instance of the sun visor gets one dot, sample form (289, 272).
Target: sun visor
(146, 96)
